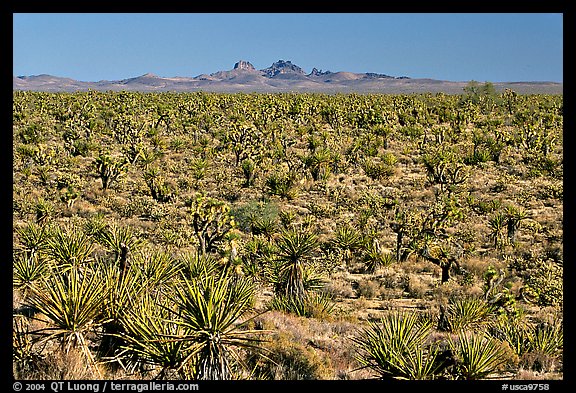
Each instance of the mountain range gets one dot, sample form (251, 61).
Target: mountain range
(281, 76)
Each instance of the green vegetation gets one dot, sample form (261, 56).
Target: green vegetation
(287, 236)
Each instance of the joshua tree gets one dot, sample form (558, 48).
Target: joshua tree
(445, 255)
(109, 169)
(514, 218)
(211, 221)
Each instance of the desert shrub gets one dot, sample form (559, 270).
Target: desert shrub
(257, 217)
(382, 168)
(543, 279)
(287, 359)
(144, 207)
(282, 185)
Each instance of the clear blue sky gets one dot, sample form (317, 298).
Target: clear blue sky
(458, 47)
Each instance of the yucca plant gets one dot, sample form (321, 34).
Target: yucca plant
(44, 209)
(33, 238)
(211, 308)
(315, 304)
(375, 258)
(347, 241)
(122, 289)
(27, 271)
(514, 330)
(24, 357)
(263, 225)
(69, 248)
(120, 240)
(287, 218)
(467, 313)
(396, 347)
(95, 226)
(276, 275)
(477, 355)
(257, 259)
(249, 171)
(547, 338)
(160, 189)
(70, 303)
(150, 336)
(295, 248)
(514, 218)
(318, 162)
(195, 265)
(156, 268)
(497, 224)
(282, 184)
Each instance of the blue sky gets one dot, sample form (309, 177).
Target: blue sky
(491, 47)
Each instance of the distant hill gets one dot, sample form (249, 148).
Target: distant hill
(281, 76)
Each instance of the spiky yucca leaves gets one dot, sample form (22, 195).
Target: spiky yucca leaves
(347, 241)
(275, 272)
(210, 309)
(263, 225)
(151, 337)
(516, 331)
(295, 248)
(119, 239)
(156, 268)
(249, 171)
(70, 302)
(282, 184)
(195, 265)
(24, 357)
(477, 355)
(315, 305)
(396, 347)
(123, 288)
(33, 238)
(95, 225)
(514, 217)
(497, 224)
(547, 338)
(44, 209)
(68, 248)
(28, 270)
(376, 258)
(258, 262)
(467, 313)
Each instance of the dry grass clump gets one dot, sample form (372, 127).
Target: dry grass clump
(419, 286)
(305, 348)
(59, 364)
(339, 287)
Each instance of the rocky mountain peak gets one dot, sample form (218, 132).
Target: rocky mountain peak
(317, 72)
(282, 67)
(244, 65)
